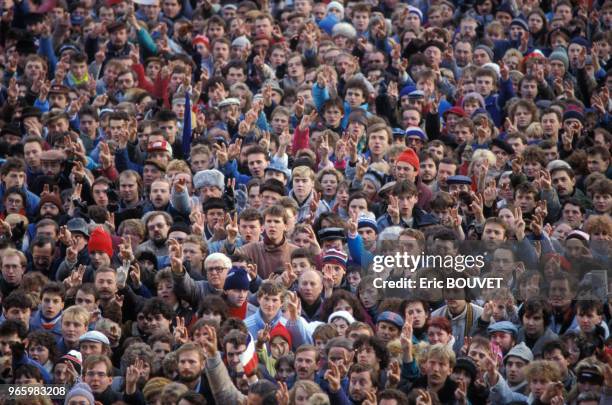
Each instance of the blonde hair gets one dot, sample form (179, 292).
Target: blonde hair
(441, 352)
(179, 166)
(303, 171)
(76, 313)
(542, 369)
(534, 131)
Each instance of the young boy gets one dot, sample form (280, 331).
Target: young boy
(589, 315)
(236, 292)
(270, 299)
(487, 85)
(75, 321)
(48, 317)
(302, 260)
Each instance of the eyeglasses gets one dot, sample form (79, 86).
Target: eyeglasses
(99, 374)
(217, 270)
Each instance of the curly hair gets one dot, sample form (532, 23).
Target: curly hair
(337, 296)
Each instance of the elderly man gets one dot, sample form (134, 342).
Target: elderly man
(209, 184)
(217, 265)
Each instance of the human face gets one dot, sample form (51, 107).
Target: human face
(275, 227)
(38, 352)
(160, 194)
(333, 116)
(438, 371)
(515, 370)
(310, 286)
(269, 305)
(257, 163)
(572, 215)
(14, 178)
(158, 228)
(51, 305)
(596, 164)
(484, 84)
(378, 142)
(87, 301)
(417, 312)
(556, 356)
(106, 284)
(19, 314)
(360, 384)
(98, 378)
(32, 152)
(602, 203)
(295, 68)
(216, 271)
(128, 189)
(302, 187)
(493, 232)
(563, 183)
(236, 298)
(387, 331)
(411, 118)
(463, 53)
(305, 364)
(72, 329)
(436, 335)
(533, 324)
(189, 366)
(12, 269)
(250, 231)
(480, 58)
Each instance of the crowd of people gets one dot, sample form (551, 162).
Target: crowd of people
(198, 200)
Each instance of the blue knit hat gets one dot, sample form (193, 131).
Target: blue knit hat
(237, 279)
(80, 390)
(416, 131)
(333, 256)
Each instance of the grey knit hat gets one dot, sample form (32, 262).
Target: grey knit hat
(561, 55)
(344, 30)
(487, 49)
(211, 178)
(80, 390)
(521, 351)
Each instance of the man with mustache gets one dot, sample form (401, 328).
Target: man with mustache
(158, 225)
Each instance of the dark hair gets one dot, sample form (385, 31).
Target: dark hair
(533, 306)
(28, 371)
(360, 368)
(11, 164)
(404, 187)
(54, 288)
(379, 348)
(274, 186)
(156, 306)
(45, 339)
(338, 295)
(391, 393)
(215, 304)
(555, 344)
(9, 327)
(17, 299)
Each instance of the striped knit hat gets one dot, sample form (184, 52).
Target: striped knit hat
(333, 256)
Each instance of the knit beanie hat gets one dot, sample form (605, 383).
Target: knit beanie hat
(341, 314)
(237, 279)
(409, 156)
(73, 357)
(210, 178)
(375, 177)
(80, 390)
(100, 241)
(561, 55)
(280, 330)
(53, 199)
(333, 256)
(521, 351)
(337, 6)
(487, 49)
(416, 131)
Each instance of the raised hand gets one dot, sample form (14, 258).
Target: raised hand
(393, 209)
(332, 376)
(517, 164)
(176, 256)
(233, 151)
(307, 120)
(352, 223)
(461, 394)
(181, 336)
(263, 336)
(294, 306)
(289, 276)
(210, 344)
(125, 249)
(519, 224)
(232, 229)
(424, 398)
(132, 375)
(282, 394)
(135, 275)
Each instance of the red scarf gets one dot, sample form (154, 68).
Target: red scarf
(239, 312)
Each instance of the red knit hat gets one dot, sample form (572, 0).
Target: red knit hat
(100, 241)
(409, 156)
(280, 330)
(201, 39)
